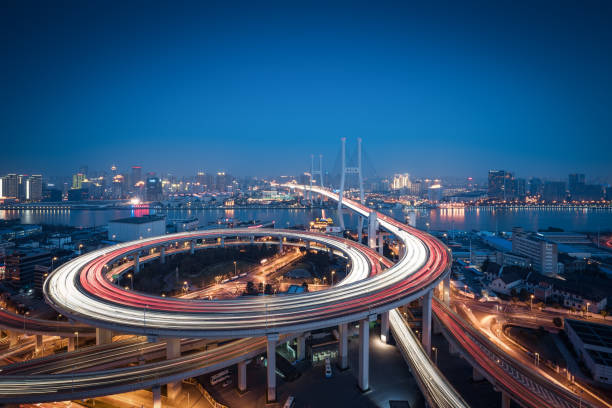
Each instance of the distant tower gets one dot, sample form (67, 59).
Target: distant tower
(314, 173)
(351, 170)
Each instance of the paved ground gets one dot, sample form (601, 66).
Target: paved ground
(390, 379)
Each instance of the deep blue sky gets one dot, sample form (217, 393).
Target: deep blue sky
(445, 89)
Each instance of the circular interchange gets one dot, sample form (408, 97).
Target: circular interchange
(81, 289)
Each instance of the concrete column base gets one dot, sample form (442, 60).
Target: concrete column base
(242, 376)
(157, 400)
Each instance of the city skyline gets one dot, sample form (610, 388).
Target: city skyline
(257, 89)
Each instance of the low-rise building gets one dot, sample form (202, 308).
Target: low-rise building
(133, 228)
(593, 343)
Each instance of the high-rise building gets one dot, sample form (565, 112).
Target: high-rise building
(554, 191)
(501, 185)
(153, 189)
(223, 181)
(135, 176)
(34, 188)
(401, 181)
(535, 186)
(77, 181)
(576, 182)
(542, 253)
(11, 186)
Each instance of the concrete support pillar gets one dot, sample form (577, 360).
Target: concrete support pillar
(252, 239)
(192, 247)
(242, 376)
(222, 242)
(301, 347)
(360, 230)
(13, 337)
(157, 400)
(426, 337)
(173, 350)
(71, 343)
(384, 327)
(280, 245)
(452, 350)
(381, 244)
(137, 262)
(476, 375)
(364, 355)
(103, 336)
(39, 343)
(446, 290)
(506, 400)
(162, 255)
(308, 245)
(343, 346)
(271, 357)
(372, 228)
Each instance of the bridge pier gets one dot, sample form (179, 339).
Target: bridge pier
(271, 369)
(222, 242)
(506, 400)
(71, 343)
(343, 346)
(360, 230)
(242, 376)
(381, 243)
(137, 262)
(13, 337)
(452, 350)
(162, 255)
(372, 227)
(426, 335)
(252, 239)
(173, 350)
(384, 327)
(446, 290)
(103, 336)
(301, 346)
(39, 343)
(157, 400)
(192, 247)
(364, 355)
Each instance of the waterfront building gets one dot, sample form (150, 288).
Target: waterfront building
(20, 266)
(77, 181)
(401, 181)
(541, 252)
(153, 189)
(501, 185)
(554, 191)
(133, 228)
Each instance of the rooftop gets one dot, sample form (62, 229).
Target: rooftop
(594, 334)
(138, 220)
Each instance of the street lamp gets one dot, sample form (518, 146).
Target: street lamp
(587, 314)
(536, 358)
(435, 350)
(332, 277)
(131, 280)
(531, 302)
(235, 268)
(76, 333)
(53, 262)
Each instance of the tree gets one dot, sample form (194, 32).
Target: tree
(524, 295)
(305, 286)
(558, 322)
(604, 313)
(268, 289)
(250, 288)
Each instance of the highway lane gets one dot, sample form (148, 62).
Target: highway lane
(97, 301)
(527, 387)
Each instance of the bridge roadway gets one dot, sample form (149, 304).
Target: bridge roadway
(514, 379)
(422, 264)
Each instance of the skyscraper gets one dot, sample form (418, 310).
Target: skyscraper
(34, 188)
(153, 189)
(501, 185)
(77, 180)
(554, 191)
(135, 176)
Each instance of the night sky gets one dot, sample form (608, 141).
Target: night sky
(445, 89)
